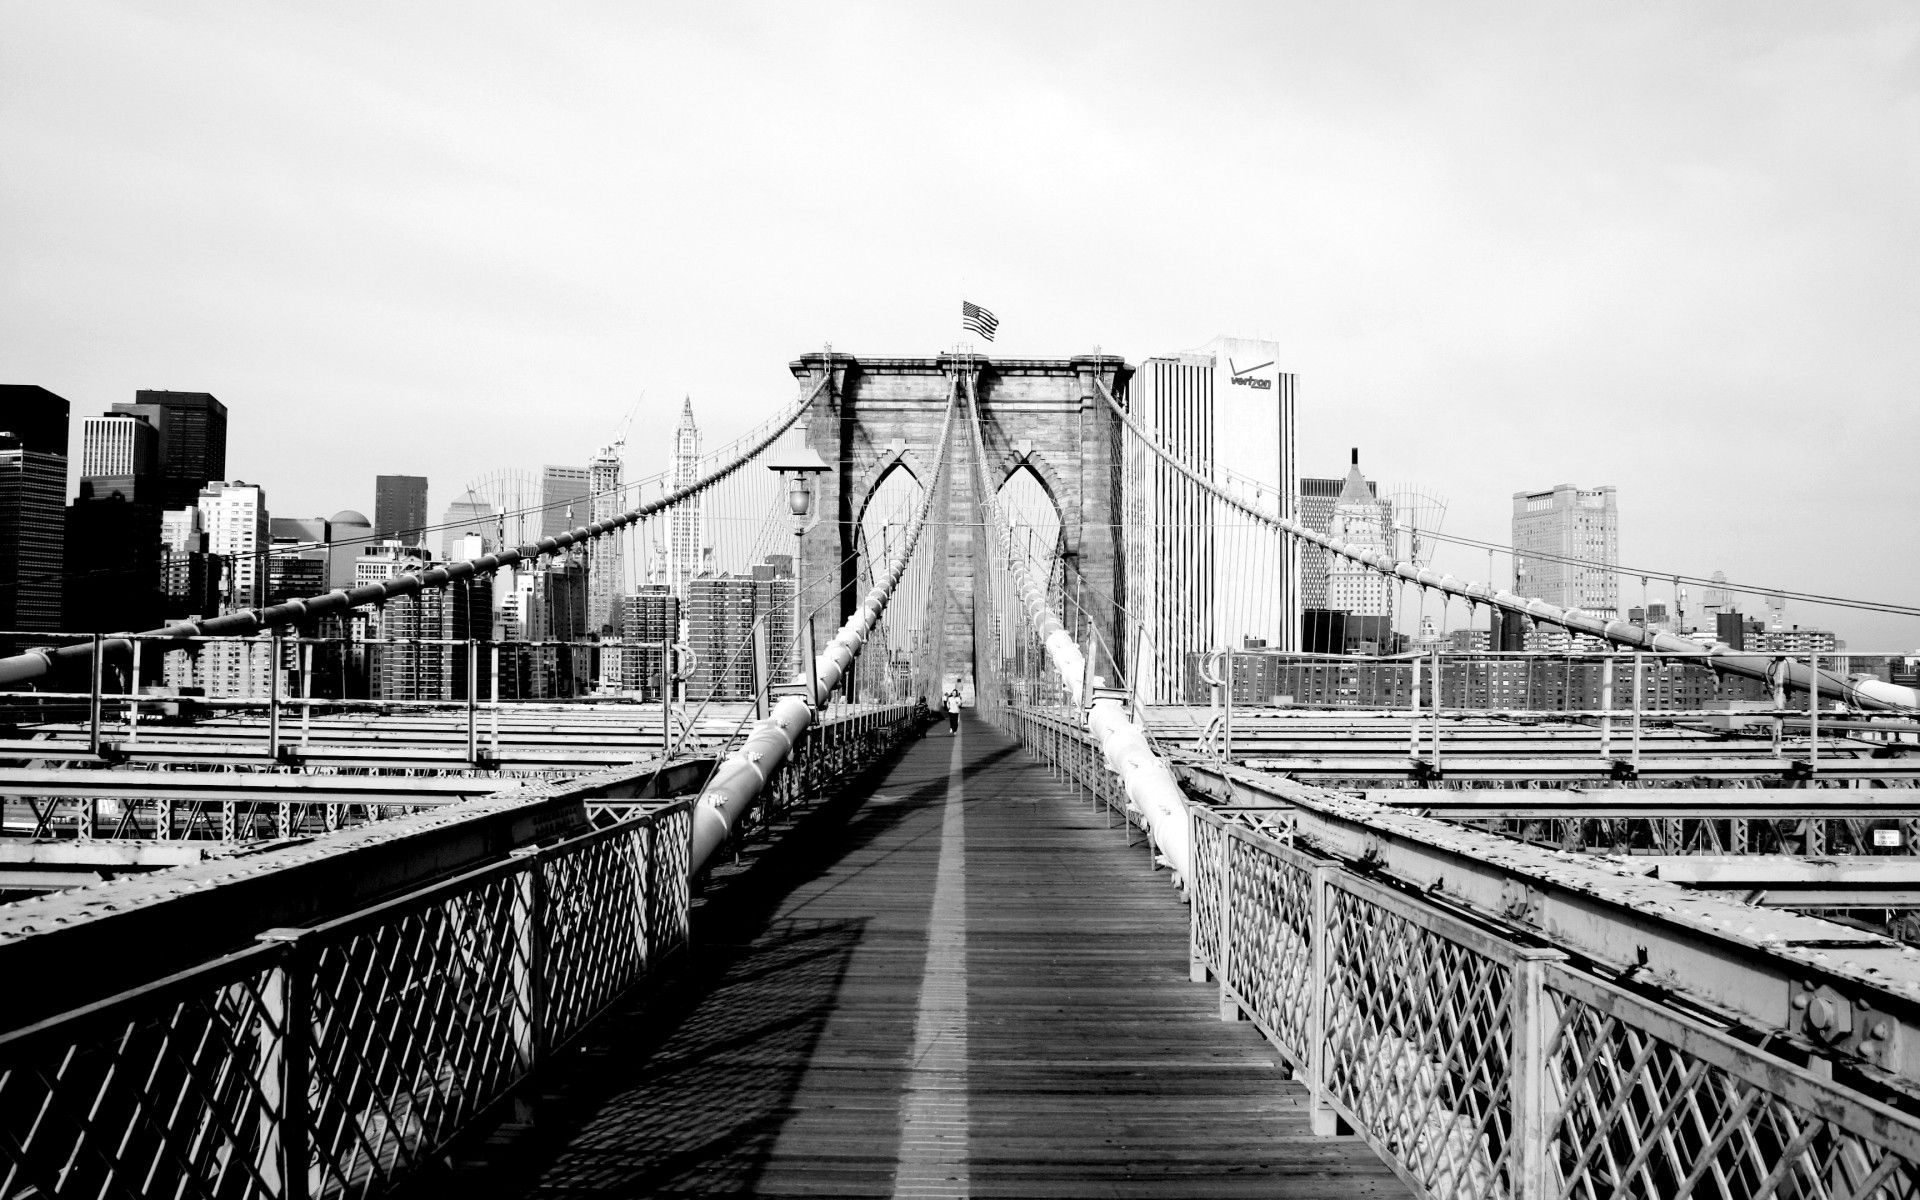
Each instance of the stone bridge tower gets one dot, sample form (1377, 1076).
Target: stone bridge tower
(882, 414)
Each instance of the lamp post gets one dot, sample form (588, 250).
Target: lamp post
(798, 469)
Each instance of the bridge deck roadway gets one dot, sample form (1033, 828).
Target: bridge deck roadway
(956, 982)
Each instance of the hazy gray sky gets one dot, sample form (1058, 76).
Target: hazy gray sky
(1669, 247)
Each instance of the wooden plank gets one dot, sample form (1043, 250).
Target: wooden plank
(782, 1062)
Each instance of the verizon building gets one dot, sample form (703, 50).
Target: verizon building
(1200, 575)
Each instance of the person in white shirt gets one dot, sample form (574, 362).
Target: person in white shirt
(953, 711)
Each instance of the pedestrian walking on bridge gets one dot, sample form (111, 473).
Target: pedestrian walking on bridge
(953, 711)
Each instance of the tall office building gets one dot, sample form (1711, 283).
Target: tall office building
(1566, 540)
(650, 623)
(470, 514)
(1227, 412)
(1363, 522)
(114, 554)
(235, 517)
(400, 508)
(563, 499)
(1316, 503)
(298, 566)
(191, 578)
(721, 613)
(607, 574)
(113, 527)
(686, 529)
(33, 519)
(410, 660)
(190, 441)
(118, 444)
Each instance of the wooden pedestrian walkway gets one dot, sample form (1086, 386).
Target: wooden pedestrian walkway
(957, 981)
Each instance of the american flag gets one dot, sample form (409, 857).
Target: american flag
(978, 320)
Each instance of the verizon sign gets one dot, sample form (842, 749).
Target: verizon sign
(1239, 376)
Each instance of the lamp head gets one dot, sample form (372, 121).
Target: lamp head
(798, 468)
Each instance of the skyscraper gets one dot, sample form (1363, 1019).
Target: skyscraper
(686, 530)
(118, 444)
(1317, 500)
(651, 622)
(400, 507)
(413, 661)
(298, 567)
(235, 517)
(33, 490)
(563, 499)
(721, 613)
(191, 579)
(1565, 541)
(190, 441)
(606, 579)
(1226, 412)
(113, 526)
(469, 514)
(1365, 524)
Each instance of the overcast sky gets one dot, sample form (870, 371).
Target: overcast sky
(1668, 247)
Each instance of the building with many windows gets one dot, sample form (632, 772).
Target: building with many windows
(1224, 411)
(650, 623)
(33, 518)
(118, 444)
(1566, 542)
(400, 508)
(190, 443)
(1364, 523)
(686, 530)
(606, 573)
(563, 498)
(722, 611)
(234, 515)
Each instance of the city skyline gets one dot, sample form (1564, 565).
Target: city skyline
(1633, 236)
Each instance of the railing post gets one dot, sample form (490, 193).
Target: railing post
(1530, 1165)
(1639, 677)
(530, 961)
(1436, 711)
(473, 701)
(273, 695)
(133, 694)
(1413, 712)
(93, 699)
(306, 693)
(1813, 715)
(493, 701)
(286, 1053)
(1321, 1116)
(1196, 963)
(1606, 706)
(1226, 729)
(1229, 1008)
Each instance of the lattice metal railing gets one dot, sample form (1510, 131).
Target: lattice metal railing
(1480, 1066)
(333, 1060)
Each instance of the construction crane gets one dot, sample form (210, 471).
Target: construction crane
(612, 449)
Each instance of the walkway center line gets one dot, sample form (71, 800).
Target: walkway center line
(933, 1112)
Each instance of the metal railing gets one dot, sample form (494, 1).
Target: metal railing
(333, 1060)
(1480, 1066)
(1480, 1061)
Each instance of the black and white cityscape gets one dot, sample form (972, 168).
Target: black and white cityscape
(943, 601)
